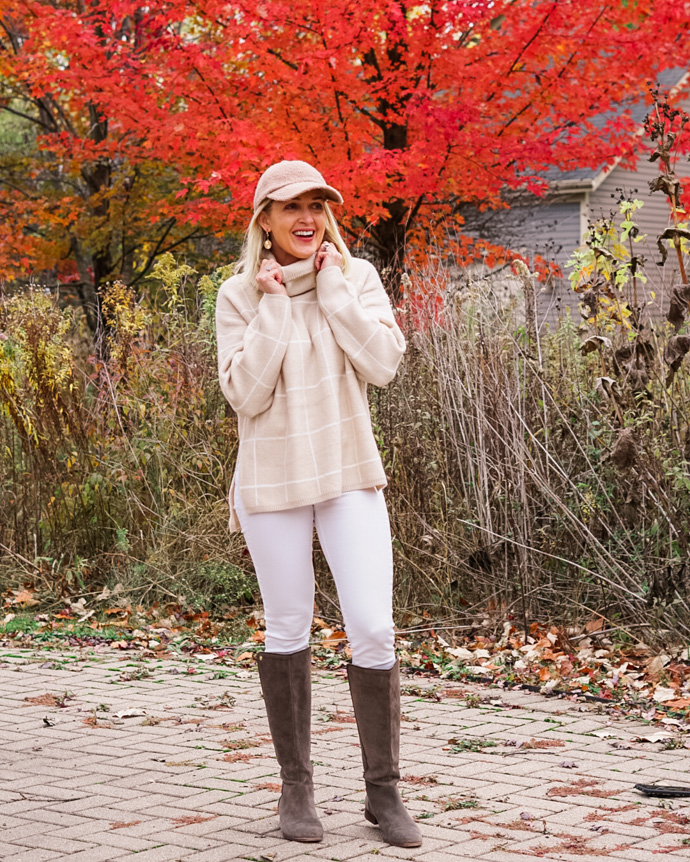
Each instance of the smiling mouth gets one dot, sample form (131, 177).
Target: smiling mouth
(304, 234)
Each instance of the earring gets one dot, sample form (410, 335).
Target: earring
(267, 242)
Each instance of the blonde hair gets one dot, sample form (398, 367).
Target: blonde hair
(253, 251)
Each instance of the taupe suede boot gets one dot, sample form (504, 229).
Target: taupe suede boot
(376, 699)
(286, 684)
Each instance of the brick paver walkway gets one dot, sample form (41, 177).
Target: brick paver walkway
(156, 760)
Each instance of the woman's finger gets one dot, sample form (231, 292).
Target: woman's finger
(272, 270)
(327, 255)
(275, 272)
(269, 278)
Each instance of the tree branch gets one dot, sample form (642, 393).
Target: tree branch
(410, 219)
(31, 119)
(160, 250)
(155, 252)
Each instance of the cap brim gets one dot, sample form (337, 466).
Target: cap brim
(294, 190)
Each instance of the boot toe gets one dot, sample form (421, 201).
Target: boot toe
(298, 818)
(396, 825)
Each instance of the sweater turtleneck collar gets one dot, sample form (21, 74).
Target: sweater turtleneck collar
(299, 277)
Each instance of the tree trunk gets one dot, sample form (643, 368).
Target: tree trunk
(390, 232)
(97, 177)
(390, 240)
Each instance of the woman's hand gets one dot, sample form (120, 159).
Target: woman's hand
(327, 255)
(269, 279)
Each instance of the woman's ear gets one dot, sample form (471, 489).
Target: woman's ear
(264, 222)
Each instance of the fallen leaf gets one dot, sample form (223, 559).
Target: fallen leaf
(132, 712)
(654, 736)
(423, 780)
(191, 819)
(43, 700)
(238, 757)
(460, 653)
(656, 664)
(584, 787)
(24, 597)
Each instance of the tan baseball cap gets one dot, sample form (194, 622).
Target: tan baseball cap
(288, 179)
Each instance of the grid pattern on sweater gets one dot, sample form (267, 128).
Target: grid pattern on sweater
(295, 369)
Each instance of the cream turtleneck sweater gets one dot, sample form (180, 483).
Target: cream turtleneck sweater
(295, 370)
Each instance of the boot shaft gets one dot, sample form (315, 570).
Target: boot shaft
(286, 686)
(376, 700)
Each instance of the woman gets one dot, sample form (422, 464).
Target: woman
(302, 328)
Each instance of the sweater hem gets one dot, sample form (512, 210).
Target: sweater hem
(362, 485)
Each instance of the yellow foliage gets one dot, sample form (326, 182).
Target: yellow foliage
(124, 318)
(36, 361)
(172, 277)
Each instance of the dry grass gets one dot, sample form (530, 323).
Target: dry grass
(518, 487)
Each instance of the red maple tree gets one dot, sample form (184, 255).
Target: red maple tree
(146, 126)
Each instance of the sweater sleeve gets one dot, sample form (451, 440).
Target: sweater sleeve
(362, 323)
(250, 355)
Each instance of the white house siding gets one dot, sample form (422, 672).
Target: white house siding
(554, 226)
(550, 228)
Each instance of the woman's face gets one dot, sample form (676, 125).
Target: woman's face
(297, 226)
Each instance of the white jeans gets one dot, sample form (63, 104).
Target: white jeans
(354, 533)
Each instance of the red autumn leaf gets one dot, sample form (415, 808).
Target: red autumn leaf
(251, 623)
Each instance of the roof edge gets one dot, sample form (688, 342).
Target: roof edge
(570, 186)
(593, 183)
